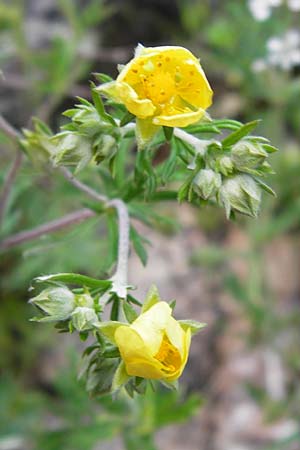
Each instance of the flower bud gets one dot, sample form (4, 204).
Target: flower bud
(247, 155)
(105, 148)
(225, 165)
(38, 145)
(207, 183)
(57, 303)
(84, 318)
(84, 300)
(241, 193)
(72, 150)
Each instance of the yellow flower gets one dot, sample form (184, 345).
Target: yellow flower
(154, 345)
(164, 86)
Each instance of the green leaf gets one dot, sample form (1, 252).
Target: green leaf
(237, 135)
(170, 165)
(227, 124)
(130, 312)
(151, 299)
(74, 278)
(133, 300)
(193, 325)
(183, 191)
(138, 245)
(205, 128)
(168, 132)
(120, 378)
(114, 314)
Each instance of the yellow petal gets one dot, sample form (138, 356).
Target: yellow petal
(176, 335)
(135, 354)
(123, 93)
(141, 108)
(179, 120)
(187, 343)
(152, 324)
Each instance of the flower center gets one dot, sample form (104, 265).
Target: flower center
(168, 355)
(159, 87)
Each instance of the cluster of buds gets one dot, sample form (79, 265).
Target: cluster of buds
(229, 172)
(59, 303)
(149, 346)
(92, 135)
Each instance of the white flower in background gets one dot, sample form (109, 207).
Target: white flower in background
(262, 9)
(294, 5)
(283, 52)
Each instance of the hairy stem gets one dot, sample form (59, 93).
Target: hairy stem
(120, 281)
(198, 144)
(46, 228)
(120, 276)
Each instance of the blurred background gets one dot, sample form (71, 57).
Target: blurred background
(241, 389)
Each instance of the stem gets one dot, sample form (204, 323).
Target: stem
(8, 183)
(49, 227)
(10, 131)
(199, 144)
(83, 187)
(119, 279)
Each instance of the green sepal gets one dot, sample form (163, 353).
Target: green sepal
(127, 118)
(145, 132)
(151, 299)
(173, 385)
(100, 107)
(168, 132)
(194, 325)
(120, 377)
(130, 312)
(109, 328)
(266, 187)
